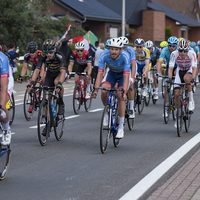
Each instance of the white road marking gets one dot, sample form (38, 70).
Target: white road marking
(18, 99)
(96, 110)
(12, 133)
(142, 186)
(20, 95)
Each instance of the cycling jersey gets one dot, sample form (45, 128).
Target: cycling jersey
(165, 54)
(121, 64)
(155, 55)
(87, 58)
(54, 65)
(6, 71)
(131, 52)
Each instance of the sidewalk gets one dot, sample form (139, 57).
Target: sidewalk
(184, 184)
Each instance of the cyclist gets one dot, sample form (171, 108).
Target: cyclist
(163, 44)
(131, 93)
(118, 62)
(186, 71)
(6, 88)
(154, 55)
(84, 60)
(142, 55)
(56, 69)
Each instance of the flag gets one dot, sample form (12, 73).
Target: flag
(93, 38)
(66, 33)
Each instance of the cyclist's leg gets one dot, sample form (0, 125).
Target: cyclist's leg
(131, 96)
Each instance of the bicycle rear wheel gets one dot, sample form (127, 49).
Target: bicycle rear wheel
(11, 110)
(43, 123)
(88, 102)
(148, 97)
(29, 102)
(59, 124)
(105, 129)
(140, 102)
(77, 99)
(166, 108)
(179, 116)
(4, 161)
(187, 118)
(163, 87)
(116, 141)
(130, 121)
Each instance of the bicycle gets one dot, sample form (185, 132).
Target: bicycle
(170, 106)
(5, 153)
(10, 106)
(110, 110)
(80, 93)
(32, 100)
(46, 122)
(183, 114)
(139, 98)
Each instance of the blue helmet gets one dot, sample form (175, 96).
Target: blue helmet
(173, 40)
(107, 42)
(193, 44)
(139, 41)
(198, 42)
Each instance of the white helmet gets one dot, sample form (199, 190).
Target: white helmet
(124, 40)
(79, 45)
(149, 44)
(139, 41)
(183, 45)
(116, 42)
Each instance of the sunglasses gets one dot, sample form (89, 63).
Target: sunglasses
(79, 50)
(32, 51)
(185, 51)
(51, 51)
(172, 45)
(139, 47)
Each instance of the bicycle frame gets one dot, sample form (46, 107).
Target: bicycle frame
(82, 88)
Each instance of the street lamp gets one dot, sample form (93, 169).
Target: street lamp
(123, 17)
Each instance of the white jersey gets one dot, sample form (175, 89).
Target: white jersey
(188, 63)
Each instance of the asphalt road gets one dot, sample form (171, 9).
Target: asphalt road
(74, 168)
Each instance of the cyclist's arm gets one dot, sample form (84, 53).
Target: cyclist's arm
(146, 66)
(4, 89)
(24, 69)
(126, 82)
(89, 64)
(62, 75)
(194, 65)
(88, 37)
(42, 72)
(133, 64)
(159, 65)
(70, 67)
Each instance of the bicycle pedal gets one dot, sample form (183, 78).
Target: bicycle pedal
(190, 112)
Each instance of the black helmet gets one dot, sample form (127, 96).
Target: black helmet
(32, 47)
(48, 44)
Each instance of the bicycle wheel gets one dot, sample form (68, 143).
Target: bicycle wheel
(29, 102)
(187, 117)
(179, 116)
(166, 108)
(172, 108)
(130, 121)
(105, 129)
(4, 161)
(163, 87)
(148, 97)
(116, 141)
(11, 110)
(140, 103)
(43, 123)
(88, 102)
(59, 124)
(76, 99)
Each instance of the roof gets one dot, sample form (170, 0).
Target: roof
(133, 9)
(91, 9)
(182, 19)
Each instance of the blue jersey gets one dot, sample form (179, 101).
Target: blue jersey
(165, 55)
(131, 52)
(4, 65)
(155, 55)
(120, 65)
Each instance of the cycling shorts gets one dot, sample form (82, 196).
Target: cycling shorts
(50, 78)
(81, 68)
(140, 69)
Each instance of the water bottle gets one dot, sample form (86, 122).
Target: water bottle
(53, 109)
(139, 90)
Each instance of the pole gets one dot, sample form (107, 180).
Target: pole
(123, 18)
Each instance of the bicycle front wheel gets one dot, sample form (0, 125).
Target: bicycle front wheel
(187, 118)
(140, 102)
(116, 141)
(105, 129)
(59, 124)
(179, 116)
(29, 105)
(11, 110)
(4, 161)
(166, 107)
(130, 121)
(88, 102)
(148, 97)
(77, 99)
(43, 123)
(163, 87)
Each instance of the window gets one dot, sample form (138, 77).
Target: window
(113, 32)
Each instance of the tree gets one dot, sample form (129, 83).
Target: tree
(168, 32)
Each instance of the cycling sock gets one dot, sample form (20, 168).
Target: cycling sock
(121, 122)
(167, 104)
(156, 90)
(6, 126)
(88, 87)
(131, 104)
(190, 96)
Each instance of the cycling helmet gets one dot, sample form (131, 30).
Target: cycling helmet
(149, 44)
(193, 44)
(183, 45)
(48, 44)
(107, 42)
(115, 42)
(173, 40)
(163, 44)
(124, 40)
(179, 39)
(139, 41)
(79, 45)
(32, 46)
(198, 42)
